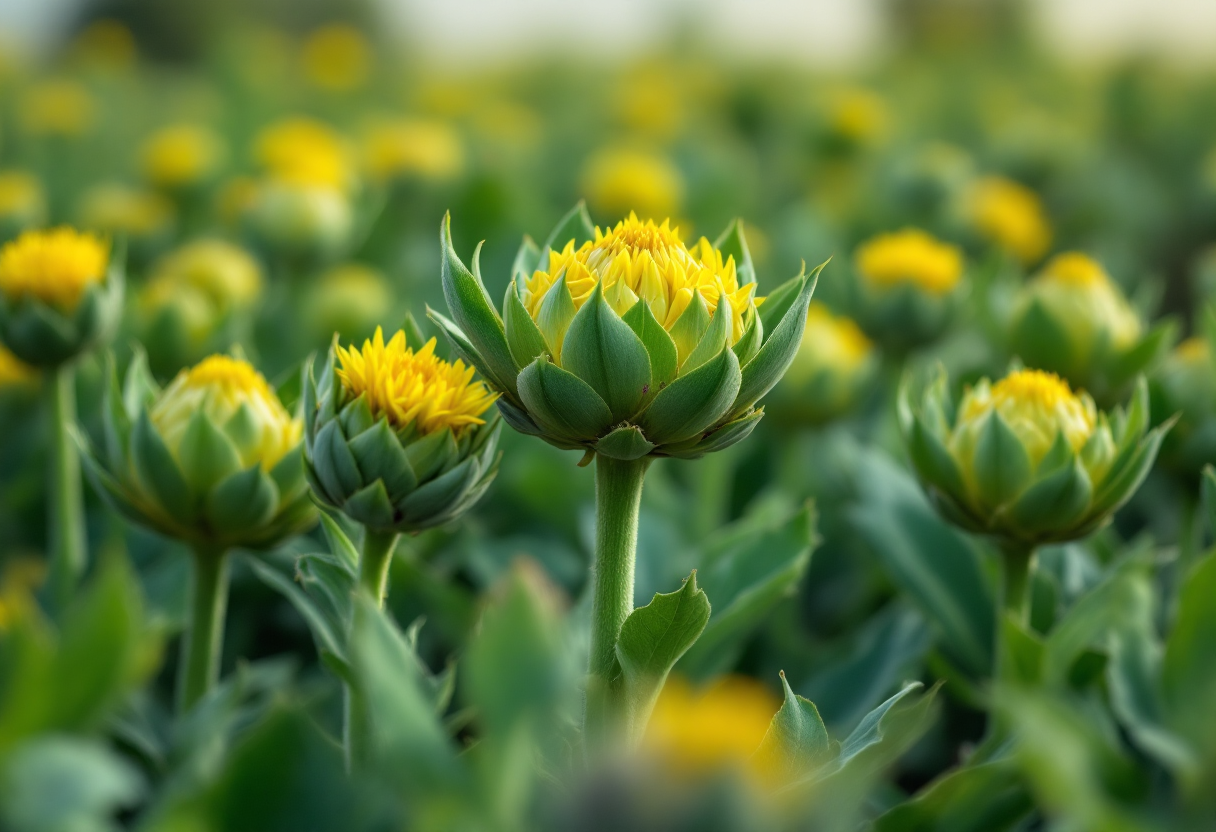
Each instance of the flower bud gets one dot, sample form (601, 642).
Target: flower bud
(22, 203)
(394, 437)
(181, 156)
(1026, 459)
(213, 459)
(1011, 217)
(619, 180)
(399, 149)
(60, 295)
(832, 367)
(626, 342)
(348, 299)
(1185, 383)
(301, 221)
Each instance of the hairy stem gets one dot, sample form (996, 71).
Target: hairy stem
(204, 637)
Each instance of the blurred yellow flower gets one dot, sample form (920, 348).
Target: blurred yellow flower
(106, 43)
(622, 180)
(638, 260)
(226, 273)
(21, 577)
(349, 299)
(14, 371)
(403, 147)
(1088, 304)
(509, 125)
(409, 387)
(304, 152)
(910, 257)
(1036, 405)
(1011, 216)
(697, 732)
(859, 116)
(57, 108)
(114, 208)
(235, 197)
(236, 398)
(337, 57)
(831, 343)
(648, 101)
(22, 199)
(1193, 350)
(53, 266)
(180, 155)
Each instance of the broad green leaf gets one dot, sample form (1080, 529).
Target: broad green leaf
(983, 798)
(796, 743)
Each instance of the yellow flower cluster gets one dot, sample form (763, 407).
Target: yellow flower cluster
(430, 149)
(411, 387)
(910, 257)
(53, 266)
(237, 399)
(21, 196)
(337, 57)
(302, 151)
(620, 180)
(115, 208)
(644, 261)
(1078, 290)
(831, 343)
(57, 107)
(1010, 215)
(1036, 405)
(180, 155)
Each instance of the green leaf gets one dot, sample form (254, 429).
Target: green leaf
(206, 454)
(1207, 495)
(990, 797)
(328, 634)
(527, 258)
(339, 543)
(693, 403)
(603, 351)
(886, 732)
(159, 477)
(626, 442)
(796, 743)
(779, 349)
(652, 640)
(524, 338)
(241, 502)
(1022, 657)
(563, 403)
(1001, 464)
(1188, 673)
(664, 363)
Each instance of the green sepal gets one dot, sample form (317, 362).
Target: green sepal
(933, 462)
(562, 403)
(113, 492)
(432, 454)
(139, 389)
(308, 394)
(527, 258)
(429, 503)
(779, 301)
(242, 431)
(371, 506)
(603, 351)
(524, 338)
(626, 442)
(473, 312)
(753, 336)
(242, 502)
(1060, 453)
(356, 416)
(414, 339)
(206, 454)
(732, 243)
(797, 742)
(778, 350)
(288, 474)
(1001, 465)
(334, 464)
(686, 332)
(159, 477)
(380, 457)
(554, 316)
(116, 424)
(664, 361)
(1118, 487)
(519, 419)
(576, 225)
(693, 403)
(719, 439)
(715, 338)
(1144, 352)
(1058, 501)
(1042, 341)
(464, 349)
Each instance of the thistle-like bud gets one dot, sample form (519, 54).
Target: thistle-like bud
(832, 368)
(394, 437)
(213, 459)
(1185, 383)
(60, 295)
(908, 288)
(1073, 320)
(181, 156)
(1026, 459)
(626, 342)
(1010, 216)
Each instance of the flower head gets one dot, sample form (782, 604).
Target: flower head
(337, 57)
(227, 274)
(429, 149)
(635, 261)
(180, 155)
(115, 208)
(617, 180)
(302, 151)
(1080, 294)
(22, 199)
(859, 116)
(348, 299)
(910, 257)
(411, 387)
(1010, 215)
(58, 107)
(237, 399)
(53, 266)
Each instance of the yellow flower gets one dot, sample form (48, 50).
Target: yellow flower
(830, 343)
(21, 577)
(1036, 405)
(228, 389)
(53, 266)
(57, 107)
(1010, 215)
(337, 57)
(22, 198)
(649, 100)
(301, 151)
(348, 298)
(14, 371)
(430, 149)
(120, 209)
(722, 726)
(643, 261)
(226, 273)
(911, 257)
(1087, 303)
(1193, 350)
(181, 155)
(859, 116)
(411, 387)
(621, 180)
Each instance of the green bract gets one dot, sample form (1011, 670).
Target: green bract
(41, 335)
(207, 492)
(1185, 383)
(609, 378)
(1024, 482)
(390, 480)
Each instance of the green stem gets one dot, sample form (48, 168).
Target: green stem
(66, 536)
(618, 498)
(374, 563)
(204, 638)
(1017, 561)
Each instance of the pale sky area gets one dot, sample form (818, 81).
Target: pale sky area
(816, 31)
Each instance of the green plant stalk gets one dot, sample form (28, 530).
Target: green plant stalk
(618, 498)
(204, 638)
(374, 563)
(66, 532)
